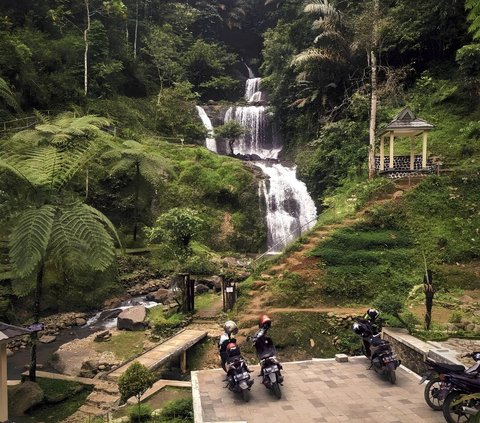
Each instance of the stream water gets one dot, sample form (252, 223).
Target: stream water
(290, 209)
(105, 319)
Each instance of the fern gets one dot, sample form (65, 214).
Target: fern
(29, 239)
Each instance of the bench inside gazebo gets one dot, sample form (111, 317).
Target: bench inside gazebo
(404, 125)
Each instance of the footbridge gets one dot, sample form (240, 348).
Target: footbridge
(176, 346)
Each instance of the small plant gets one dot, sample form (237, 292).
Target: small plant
(134, 383)
(456, 316)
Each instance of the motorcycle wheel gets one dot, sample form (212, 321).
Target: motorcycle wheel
(276, 390)
(453, 413)
(432, 388)
(246, 395)
(391, 376)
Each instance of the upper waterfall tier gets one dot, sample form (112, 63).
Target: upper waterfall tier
(258, 139)
(252, 90)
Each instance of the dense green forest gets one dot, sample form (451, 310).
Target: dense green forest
(105, 92)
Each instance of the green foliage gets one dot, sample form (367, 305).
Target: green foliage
(292, 290)
(140, 413)
(474, 17)
(179, 410)
(230, 131)
(135, 381)
(163, 323)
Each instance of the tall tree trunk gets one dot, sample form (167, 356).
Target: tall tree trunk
(86, 184)
(136, 34)
(373, 98)
(36, 317)
(135, 210)
(85, 40)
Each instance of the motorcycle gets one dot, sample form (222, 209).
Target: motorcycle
(382, 358)
(462, 401)
(436, 378)
(238, 375)
(269, 365)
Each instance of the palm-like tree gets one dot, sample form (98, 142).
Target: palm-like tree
(149, 168)
(49, 224)
(330, 49)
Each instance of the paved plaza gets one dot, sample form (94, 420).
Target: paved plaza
(316, 391)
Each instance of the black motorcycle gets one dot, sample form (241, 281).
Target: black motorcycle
(269, 365)
(436, 378)
(462, 401)
(382, 358)
(238, 374)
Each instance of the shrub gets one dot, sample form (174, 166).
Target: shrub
(181, 410)
(140, 413)
(456, 316)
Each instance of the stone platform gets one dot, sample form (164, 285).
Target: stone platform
(316, 391)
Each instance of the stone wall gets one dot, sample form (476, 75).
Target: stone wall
(413, 352)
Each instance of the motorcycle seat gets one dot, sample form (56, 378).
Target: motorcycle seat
(449, 368)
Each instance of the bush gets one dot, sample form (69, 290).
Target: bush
(140, 413)
(181, 410)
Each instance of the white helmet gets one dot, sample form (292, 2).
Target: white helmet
(230, 327)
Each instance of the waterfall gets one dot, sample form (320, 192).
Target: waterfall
(210, 142)
(290, 209)
(252, 90)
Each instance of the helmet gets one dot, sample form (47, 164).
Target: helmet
(232, 349)
(357, 328)
(264, 322)
(372, 313)
(230, 327)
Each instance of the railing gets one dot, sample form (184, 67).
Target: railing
(20, 124)
(291, 235)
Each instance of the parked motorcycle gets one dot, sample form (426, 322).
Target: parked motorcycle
(382, 358)
(238, 375)
(462, 401)
(270, 367)
(436, 378)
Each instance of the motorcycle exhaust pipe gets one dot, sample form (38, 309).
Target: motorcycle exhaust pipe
(469, 410)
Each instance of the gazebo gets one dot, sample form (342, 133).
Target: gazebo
(405, 124)
(7, 332)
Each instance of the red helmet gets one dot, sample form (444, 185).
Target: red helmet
(264, 322)
(232, 349)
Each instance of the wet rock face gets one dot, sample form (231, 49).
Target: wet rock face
(132, 318)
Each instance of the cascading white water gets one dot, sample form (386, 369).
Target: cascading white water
(290, 209)
(252, 90)
(210, 142)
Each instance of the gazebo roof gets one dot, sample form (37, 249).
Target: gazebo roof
(406, 124)
(10, 332)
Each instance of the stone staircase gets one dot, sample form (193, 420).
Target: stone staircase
(102, 399)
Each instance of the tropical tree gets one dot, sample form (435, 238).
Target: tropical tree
(149, 168)
(50, 225)
(230, 131)
(473, 7)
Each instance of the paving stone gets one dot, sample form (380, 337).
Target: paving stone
(319, 391)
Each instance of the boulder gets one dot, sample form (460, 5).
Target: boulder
(102, 336)
(24, 396)
(9, 352)
(89, 368)
(201, 288)
(80, 321)
(397, 194)
(132, 318)
(161, 295)
(47, 339)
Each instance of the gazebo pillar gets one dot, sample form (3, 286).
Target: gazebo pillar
(424, 150)
(412, 153)
(382, 153)
(3, 383)
(390, 165)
